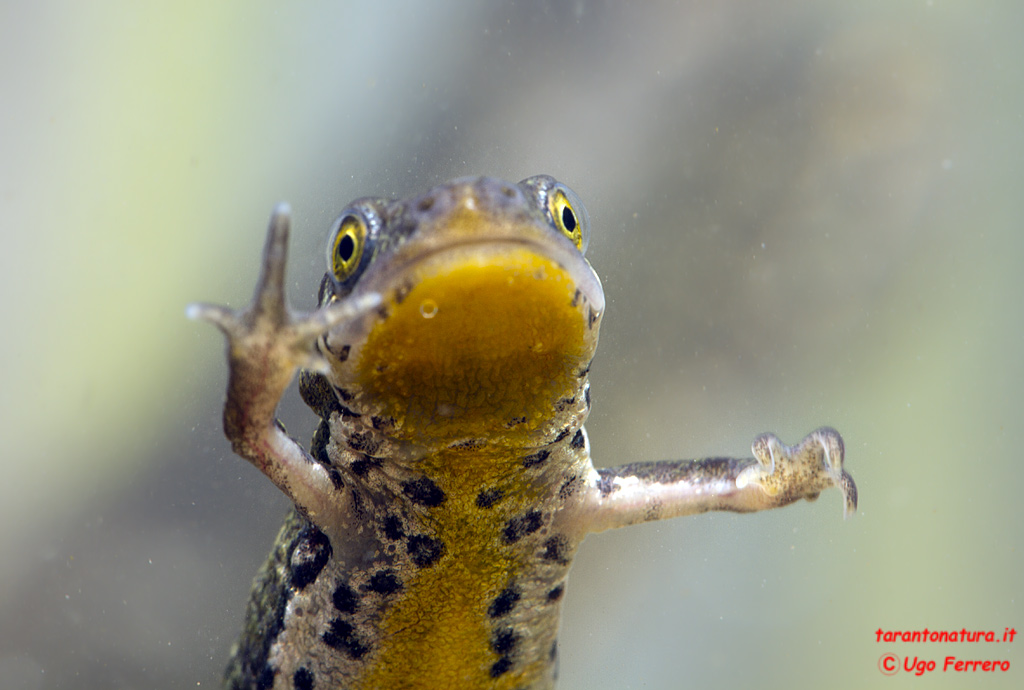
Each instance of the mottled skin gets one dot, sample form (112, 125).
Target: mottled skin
(449, 483)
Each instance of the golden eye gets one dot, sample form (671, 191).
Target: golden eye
(569, 216)
(347, 246)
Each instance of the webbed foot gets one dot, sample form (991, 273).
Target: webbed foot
(789, 473)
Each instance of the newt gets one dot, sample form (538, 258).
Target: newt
(449, 483)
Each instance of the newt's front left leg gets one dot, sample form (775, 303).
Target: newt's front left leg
(776, 476)
(267, 343)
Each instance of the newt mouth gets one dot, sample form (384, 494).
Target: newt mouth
(477, 337)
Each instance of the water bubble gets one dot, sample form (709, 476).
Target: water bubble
(428, 308)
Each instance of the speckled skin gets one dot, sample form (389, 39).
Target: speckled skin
(433, 534)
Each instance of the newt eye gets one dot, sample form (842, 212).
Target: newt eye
(346, 247)
(569, 215)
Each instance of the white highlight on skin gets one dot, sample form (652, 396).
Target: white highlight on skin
(771, 452)
(828, 457)
(746, 477)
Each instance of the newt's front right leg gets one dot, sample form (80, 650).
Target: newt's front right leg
(776, 476)
(267, 344)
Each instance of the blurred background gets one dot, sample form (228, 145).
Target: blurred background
(803, 214)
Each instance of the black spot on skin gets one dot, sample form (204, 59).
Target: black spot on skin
(535, 459)
(316, 392)
(335, 477)
(488, 497)
(402, 292)
(424, 492)
(568, 487)
(345, 396)
(556, 549)
(345, 599)
(553, 654)
(363, 465)
(380, 423)
(586, 396)
(341, 636)
(302, 679)
(265, 680)
(318, 446)
(424, 550)
(504, 602)
(578, 441)
(592, 316)
(576, 298)
(606, 484)
(467, 444)
(515, 421)
(342, 352)
(556, 593)
(561, 434)
(504, 641)
(311, 551)
(519, 527)
(384, 582)
(501, 667)
(318, 449)
(357, 505)
(393, 528)
(363, 442)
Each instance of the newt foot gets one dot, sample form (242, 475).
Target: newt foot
(789, 473)
(267, 340)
